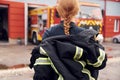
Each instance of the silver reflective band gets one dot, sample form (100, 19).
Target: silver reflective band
(99, 60)
(42, 61)
(78, 53)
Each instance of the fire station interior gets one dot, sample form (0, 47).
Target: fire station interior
(4, 23)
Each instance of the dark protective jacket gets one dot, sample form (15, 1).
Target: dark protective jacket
(74, 57)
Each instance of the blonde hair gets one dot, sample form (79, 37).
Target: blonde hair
(67, 9)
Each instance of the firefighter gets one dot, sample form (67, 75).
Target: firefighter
(72, 56)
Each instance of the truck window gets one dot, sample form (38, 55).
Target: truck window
(89, 12)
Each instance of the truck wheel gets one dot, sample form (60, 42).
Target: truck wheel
(34, 38)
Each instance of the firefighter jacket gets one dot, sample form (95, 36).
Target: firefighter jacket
(73, 57)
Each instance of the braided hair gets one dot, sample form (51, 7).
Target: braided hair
(67, 9)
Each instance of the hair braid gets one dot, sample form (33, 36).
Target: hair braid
(67, 25)
(67, 10)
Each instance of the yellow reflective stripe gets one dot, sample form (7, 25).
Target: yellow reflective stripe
(60, 77)
(99, 60)
(83, 63)
(52, 65)
(86, 71)
(78, 53)
(42, 51)
(42, 61)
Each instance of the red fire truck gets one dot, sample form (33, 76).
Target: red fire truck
(89, 17)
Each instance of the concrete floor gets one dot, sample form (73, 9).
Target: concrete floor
(11, 55)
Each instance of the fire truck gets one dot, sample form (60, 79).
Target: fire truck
(40, 19)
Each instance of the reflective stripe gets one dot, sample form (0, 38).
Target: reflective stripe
(83, 63)
(42, 51)
(99, 60)
(86, 71)
(78, 53)
(52, 65)
(60, 77)
(42, 61)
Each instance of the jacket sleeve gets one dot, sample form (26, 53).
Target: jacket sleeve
(95, 53)
(96, 56)
(35, 54)
(41, 65)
